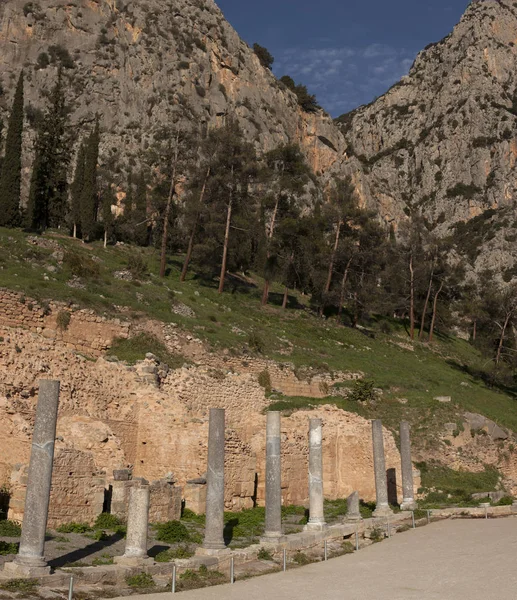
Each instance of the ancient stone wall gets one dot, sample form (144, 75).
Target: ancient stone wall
(77, 488)
(86, 332)
(112, 418)
(165, 500)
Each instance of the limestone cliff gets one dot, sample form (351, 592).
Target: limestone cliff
(443, 141)
(138, 64)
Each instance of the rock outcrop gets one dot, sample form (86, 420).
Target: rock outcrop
(443, 141)
(144, 65)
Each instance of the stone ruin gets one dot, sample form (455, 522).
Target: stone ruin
(141, 501)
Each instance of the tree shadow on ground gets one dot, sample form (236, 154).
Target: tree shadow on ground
(505, 384)
(81, 553)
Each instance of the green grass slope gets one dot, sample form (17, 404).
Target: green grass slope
(409, 379)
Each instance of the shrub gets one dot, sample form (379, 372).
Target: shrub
(190, 515)
(10, 528)
(135, 348)
(63, 320)
(137, 266)
(98, 535)
(301, 559)
(8, 548)
(264, 554)
(377, 535)
(506, 501)
(264, 379)
(462, 189)
(74, 527)
(141, 580)
(108, 521)
(20, 585)
(263, 54)
(81, 266)
(347, 548)
(172, 532)
(363, 391)
(182, 551)
(256, 343)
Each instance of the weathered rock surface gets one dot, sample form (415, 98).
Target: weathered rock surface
(140, 64)
(443, 141)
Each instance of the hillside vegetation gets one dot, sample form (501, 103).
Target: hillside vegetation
(408, 377)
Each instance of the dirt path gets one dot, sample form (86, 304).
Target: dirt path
(451, 560)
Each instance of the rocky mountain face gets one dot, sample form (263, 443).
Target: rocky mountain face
(443, 141)
(144, 65)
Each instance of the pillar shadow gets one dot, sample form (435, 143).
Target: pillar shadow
(81, 553)
(391, 475)
(228, 530)
(155, 550)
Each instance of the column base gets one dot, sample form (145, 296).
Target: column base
(408, 505)
(382, 511)
(133, 561)
(316, 526)
(212, 551)
(353, 518)
(18, 570)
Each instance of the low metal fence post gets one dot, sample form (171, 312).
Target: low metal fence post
(285, 560)
(71, 589)
(173, 583)
(232, 570)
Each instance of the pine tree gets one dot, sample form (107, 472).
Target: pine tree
(76, 189)
(48, 202)
(10, 178)
(89, 200)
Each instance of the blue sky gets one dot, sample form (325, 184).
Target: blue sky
(347, 52)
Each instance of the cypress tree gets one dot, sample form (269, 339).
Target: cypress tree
(48, 200)
(76, 190)
(10, 177)
(88, 199)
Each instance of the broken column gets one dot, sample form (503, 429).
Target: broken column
(316, 515)
(273, 479)
(408, 490)
(214, 523)
(30, 561)
(379, 464)
(137, 525)
(353, 512)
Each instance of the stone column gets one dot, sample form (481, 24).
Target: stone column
(30, 561)
(273, 479)
(353, 513)
(379, 463)
(137, 526)
(408, 491)
(316, 515)
(214, 524)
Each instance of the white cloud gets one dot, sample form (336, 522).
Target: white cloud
(345, 77)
